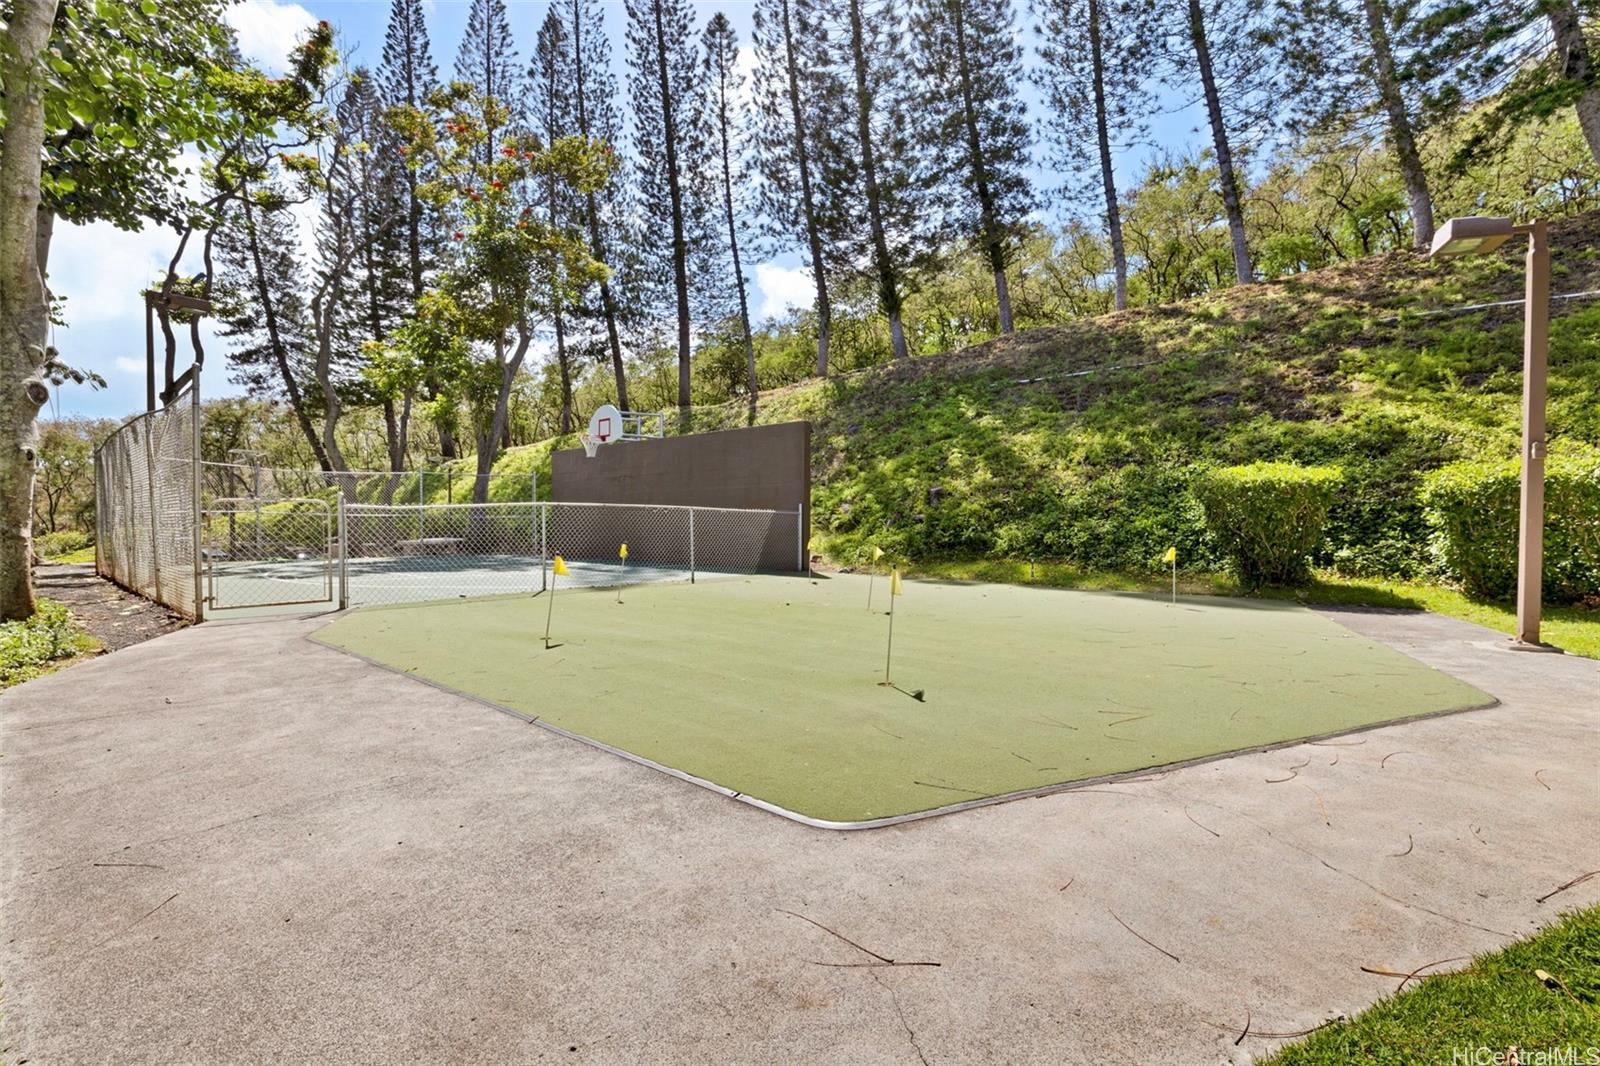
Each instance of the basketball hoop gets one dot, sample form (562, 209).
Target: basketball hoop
(590, 445)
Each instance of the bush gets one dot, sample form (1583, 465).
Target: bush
(1266, 518)
(1472, 507)
(62, 542)
(27, 648)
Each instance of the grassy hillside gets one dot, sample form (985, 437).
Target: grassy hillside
(1077, 443)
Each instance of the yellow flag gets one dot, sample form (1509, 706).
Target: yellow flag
(560, 567)
(894, 582)
(1171, 556)
(624, 552)
(877, 553)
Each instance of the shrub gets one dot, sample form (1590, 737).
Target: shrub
(28, 647)
(1473, 506)
(1266, 518)
(62, 542)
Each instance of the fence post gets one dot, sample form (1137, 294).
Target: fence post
(800, 538)
(691, 545)
(422, 504)
(150, 496)
(533, 476)
(195, 415)
(344, 555)
(544, 555)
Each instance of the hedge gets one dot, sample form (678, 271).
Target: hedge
(1473, 507)
(1267, 518)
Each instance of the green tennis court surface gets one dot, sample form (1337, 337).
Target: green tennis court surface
(768, 686)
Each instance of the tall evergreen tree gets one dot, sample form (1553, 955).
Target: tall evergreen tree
(872, 159)
(551, 117)
(723, 121)
(487, 60)
(661, 63)
(1348, 76)
(788, 40)
(970, 65)
(1531, 58)
(1209, 42)
(1091, 79)
(594, 104)
(371, 181)
(405, 76)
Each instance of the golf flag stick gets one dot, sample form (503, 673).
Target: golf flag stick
(623, 555)
(1172, 557)
(872, 574)
(559, 569)
(888, 655)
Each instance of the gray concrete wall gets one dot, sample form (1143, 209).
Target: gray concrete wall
(761, 467)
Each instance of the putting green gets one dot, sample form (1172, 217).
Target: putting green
(768, 686)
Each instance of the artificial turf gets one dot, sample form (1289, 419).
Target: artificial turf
(769, 686)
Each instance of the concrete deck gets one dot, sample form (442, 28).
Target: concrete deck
(230, 844)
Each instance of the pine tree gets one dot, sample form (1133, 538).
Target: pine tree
(378, 295)
(487, 60)
(1091, 80)
(971, 68)
(1348, 76)
(261, 302)
(1531, 58)
(723, 122)
(661, 81)
(405, 77)
(594, 94)
(788, 40)
(870, 156)
(551, 117)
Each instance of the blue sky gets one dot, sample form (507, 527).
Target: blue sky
(101, 270)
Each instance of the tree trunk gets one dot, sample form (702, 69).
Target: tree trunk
(1577, 64)
(1401, 135)
(24, 306)
(1108, 177)
(566, 373)
(597, 247)
(680, 246)
(888, 283)
(1242, 269)
(994, 243)
(490, 436)
(733, 239)
(809, 205)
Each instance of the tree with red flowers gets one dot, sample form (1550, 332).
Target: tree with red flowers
(511, 268)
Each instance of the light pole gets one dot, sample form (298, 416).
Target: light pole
(1475, 235)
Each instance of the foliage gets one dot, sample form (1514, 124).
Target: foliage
(36, 645)
(1473, 508)
(1267, 517)
(63, 542)
(1499, 1000)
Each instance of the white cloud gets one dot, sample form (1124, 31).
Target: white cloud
(268, 31)
(101, 269)
(783, 288)
(129, 366)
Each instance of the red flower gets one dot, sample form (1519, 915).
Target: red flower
(497, 185)
(508, 150)
(460, 236)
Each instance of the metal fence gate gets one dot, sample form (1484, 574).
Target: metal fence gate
(147, 530)
(268, 552)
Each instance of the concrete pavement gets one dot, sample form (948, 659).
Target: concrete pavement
(233, 845)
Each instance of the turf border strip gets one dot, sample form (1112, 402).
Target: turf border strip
(913, 816)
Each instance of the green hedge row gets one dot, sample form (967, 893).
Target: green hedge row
(1473, 509)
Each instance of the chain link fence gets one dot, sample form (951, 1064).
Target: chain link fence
(201, 536)
(146, 485)
(405, 553)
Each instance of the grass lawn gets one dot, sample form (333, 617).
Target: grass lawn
(82, 555)
(1573, 629)
(47, 641)
(769, 686)
(1498, 1002)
